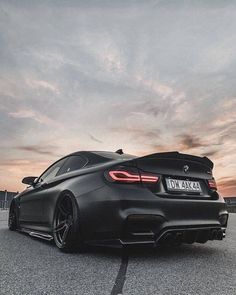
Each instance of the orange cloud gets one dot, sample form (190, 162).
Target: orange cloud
(227, 187)
(13, 171)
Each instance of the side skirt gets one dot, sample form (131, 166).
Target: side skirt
(37, 234)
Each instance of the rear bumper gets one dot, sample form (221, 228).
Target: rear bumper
(170, 237)
(122, 216)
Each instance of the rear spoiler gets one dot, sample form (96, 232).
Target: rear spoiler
(176, 155)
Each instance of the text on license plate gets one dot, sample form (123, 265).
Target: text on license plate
(183, 185)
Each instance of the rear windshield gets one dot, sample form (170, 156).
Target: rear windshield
(115, 156)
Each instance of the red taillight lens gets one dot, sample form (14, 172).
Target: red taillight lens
(149, 178)
(131, 177)
(212, 184)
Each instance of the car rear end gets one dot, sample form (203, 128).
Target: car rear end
(166, 198)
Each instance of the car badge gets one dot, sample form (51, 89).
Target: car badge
(186, 168)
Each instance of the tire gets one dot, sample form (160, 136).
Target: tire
(12, 218)
(66, 232)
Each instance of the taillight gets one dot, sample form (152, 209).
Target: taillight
(125, 176)
(212, 184)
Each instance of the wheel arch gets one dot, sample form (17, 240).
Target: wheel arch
(62, 194)
(12, 204)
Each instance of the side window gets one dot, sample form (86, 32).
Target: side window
(73, 163)
(52, 171)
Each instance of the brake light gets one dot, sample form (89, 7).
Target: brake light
(131, 177)
(212, 184)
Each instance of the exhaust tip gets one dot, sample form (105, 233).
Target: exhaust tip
(219, 235)
(214, 234)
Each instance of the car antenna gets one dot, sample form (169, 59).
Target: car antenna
(120, 152)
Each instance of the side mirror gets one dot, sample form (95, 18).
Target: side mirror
(30, 180)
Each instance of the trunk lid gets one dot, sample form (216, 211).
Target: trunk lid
(176, 164)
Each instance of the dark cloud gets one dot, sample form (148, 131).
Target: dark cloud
(210, 153)
(155, 111)
(136, 134)
(157, 148)
(95, 139)
(47, 150)
(188, 142)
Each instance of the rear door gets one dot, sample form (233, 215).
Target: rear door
(32, 202)
(57, 184)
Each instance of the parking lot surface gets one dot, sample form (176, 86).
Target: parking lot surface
(32, 266)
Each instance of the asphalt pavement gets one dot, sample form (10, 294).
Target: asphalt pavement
(31, 266)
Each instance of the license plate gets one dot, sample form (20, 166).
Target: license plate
(183, 185)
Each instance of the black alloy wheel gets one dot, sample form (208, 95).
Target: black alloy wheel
(65, 225)
(12, 218)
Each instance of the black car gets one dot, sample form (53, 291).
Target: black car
(112, 198)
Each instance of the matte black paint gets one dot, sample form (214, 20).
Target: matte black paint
(108, 211)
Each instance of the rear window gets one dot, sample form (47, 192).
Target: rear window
(115, 156)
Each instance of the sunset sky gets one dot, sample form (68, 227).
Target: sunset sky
(145, 76)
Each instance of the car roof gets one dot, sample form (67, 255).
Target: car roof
(103, 154)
